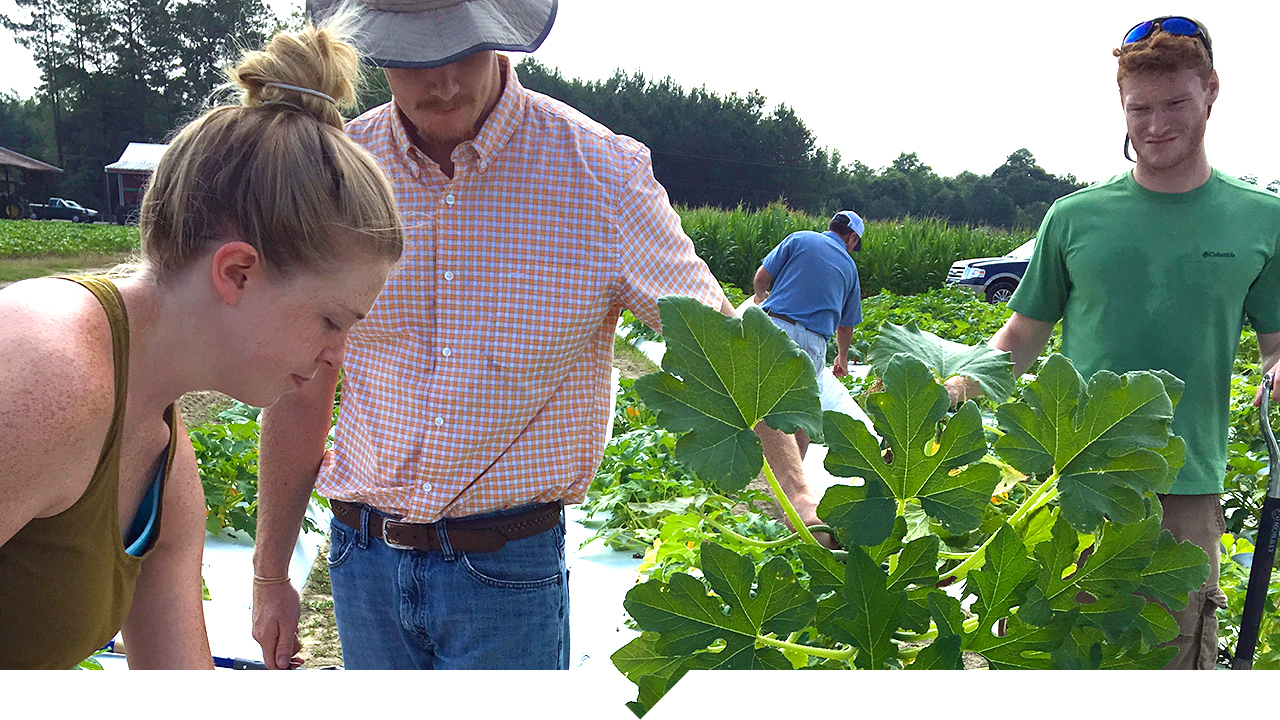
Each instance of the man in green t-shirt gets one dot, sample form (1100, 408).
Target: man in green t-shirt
(1157, 269)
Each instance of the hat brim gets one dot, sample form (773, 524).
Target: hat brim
(432, 38)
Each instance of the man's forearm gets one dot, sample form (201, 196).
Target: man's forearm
(294, 431)
(844, 336)
(761, 283)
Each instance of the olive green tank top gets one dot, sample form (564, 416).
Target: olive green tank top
(66, 581)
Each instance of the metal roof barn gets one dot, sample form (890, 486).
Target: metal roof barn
(130, 174)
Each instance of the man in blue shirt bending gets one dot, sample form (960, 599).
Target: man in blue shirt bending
(808, 284)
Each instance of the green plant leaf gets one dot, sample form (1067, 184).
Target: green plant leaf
(917, 564)
(907, 415)
(652, 671)
(1175, 569)
(721, 376)
(1024, 646)
(860, 514)
(992, 369)
(941, 654)
(690, 619)
(1003, 580)
(826, 574)
(1108, 441)
(947, 614)
(871, 614)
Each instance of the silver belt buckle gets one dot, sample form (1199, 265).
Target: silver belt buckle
(385, 539)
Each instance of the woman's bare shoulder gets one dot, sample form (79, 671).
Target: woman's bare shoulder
(56, 388)
(58, 339)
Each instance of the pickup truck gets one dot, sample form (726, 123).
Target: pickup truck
(995, 278)
(59, 209)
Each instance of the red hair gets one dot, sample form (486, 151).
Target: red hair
(1161, 52)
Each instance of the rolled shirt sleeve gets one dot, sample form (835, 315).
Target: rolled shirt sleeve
(658, 259)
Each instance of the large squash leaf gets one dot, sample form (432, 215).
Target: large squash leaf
(690, 619)
(721, 376)
(925, 466)
(1108, 442)
(990, 368)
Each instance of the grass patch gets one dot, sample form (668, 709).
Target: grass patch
(15, 269)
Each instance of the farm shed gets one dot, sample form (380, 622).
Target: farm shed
(127, 177)
(12, 205)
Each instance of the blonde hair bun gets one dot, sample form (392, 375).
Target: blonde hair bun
(300, 191)
(317, 59)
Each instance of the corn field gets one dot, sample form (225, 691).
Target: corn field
(905, 257)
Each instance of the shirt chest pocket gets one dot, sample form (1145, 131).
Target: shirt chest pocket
(542, 317)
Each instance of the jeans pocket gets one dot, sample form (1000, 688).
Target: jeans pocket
(526, 564)
(341, 540)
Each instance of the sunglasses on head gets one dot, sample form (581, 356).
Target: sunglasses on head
(1174, 25)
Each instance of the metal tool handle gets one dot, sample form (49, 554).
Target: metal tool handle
(1264, 550)
(1264, 556)
(1273, 451)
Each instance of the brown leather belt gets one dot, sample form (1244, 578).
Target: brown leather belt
(780, 316)
(477, 536)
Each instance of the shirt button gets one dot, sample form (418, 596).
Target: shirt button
(449, 199)
(439, 421)
(446, 352)
(426, 487)
(448, 275)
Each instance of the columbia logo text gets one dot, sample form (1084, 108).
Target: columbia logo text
(1210, 253)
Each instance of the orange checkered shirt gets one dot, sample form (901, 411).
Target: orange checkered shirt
(481, 379)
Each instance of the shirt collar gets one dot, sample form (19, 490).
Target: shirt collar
(494, 133)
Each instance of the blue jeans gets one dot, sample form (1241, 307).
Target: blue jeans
(450, 610)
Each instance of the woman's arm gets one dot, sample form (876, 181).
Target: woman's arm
(165, 626)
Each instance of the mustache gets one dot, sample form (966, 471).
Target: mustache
(437, 106)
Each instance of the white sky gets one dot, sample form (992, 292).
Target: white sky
(962, 84)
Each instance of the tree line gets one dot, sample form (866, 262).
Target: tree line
(114, 72)
(120, 71)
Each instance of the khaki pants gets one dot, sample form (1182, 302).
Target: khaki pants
(1197, 518)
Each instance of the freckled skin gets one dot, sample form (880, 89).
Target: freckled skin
(231, 328)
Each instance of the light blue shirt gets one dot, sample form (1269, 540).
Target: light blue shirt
(815, 282)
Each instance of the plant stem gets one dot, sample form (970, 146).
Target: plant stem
(752, 541)
(1047, 491)
(828, 653)
(1038, 499)
(787, 508)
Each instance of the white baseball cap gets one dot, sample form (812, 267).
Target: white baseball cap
(849, 219)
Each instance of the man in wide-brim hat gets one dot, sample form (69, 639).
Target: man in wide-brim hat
(476, 394)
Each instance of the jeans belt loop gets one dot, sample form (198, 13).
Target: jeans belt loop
(362, 532)
(446, 547)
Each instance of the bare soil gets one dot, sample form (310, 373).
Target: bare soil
(202, 406)
(317, 628)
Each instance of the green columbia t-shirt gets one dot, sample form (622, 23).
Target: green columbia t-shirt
(1144, 280)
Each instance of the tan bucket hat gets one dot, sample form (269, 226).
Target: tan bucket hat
(431, 33)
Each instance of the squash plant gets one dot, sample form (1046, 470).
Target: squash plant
(927, 573)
